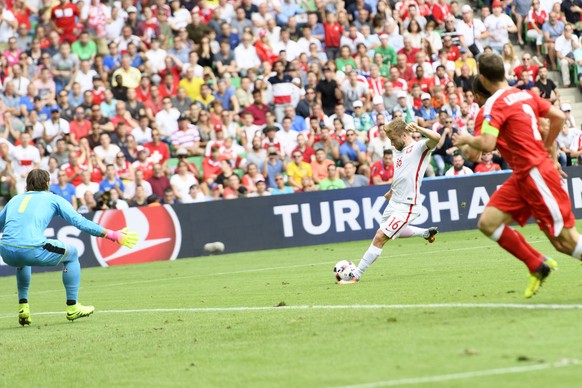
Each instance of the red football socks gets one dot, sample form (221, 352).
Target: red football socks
(513, 242)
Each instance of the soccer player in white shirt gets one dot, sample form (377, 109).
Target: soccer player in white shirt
(411, 160)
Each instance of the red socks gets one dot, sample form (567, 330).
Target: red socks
(513, 242)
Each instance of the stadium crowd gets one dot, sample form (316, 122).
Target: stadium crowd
(134, 103)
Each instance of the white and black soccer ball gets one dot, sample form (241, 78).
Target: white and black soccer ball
(344, 270)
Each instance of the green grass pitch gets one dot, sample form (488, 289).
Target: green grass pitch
(380, 343)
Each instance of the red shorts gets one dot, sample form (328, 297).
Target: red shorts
(538, 193)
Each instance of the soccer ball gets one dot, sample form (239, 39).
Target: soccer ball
(344, 270)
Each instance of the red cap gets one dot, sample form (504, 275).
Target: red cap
(496, 4)
(218, 127)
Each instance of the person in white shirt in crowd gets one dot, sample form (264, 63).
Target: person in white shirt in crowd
(130, 186)
(167, 118)
(473, 31)
(85, 75)
(25, 157)
(245, 54)
(8, 25)
(86, 185)
(142, 133)
(499, 26)
(55, 128)
(564, 46)
(352, 39)
(458, 167)
(106, 152)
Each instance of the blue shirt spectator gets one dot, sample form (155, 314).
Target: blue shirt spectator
(348, 150)
(288, 9)
(107, 184)
(63, 189)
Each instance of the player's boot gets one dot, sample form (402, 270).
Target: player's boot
(537, 278)
(353, 280)
(431, 232)
(24, 314)
(79, 311)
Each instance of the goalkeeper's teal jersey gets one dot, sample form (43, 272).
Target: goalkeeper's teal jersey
(26, 216)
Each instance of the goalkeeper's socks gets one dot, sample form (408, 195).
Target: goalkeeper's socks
(369, 257)
(513, 242)
(71, 302)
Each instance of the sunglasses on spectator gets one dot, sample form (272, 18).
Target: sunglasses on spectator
(448, 122)
(120, 156)
(278, 179)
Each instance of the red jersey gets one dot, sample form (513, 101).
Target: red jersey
(158, 153)
(98, 96)
(70, 171)
(514, 113)
(80, 130)
(531, 69)
(376, 85)
(64, 17)
(536, 19)
(96, 175)
(378, 169)
(333, 34)
(147, 168)
(410, 56)
(482, 167)
(454, 53)
(211, 168)
(425, 84)
(440, 12)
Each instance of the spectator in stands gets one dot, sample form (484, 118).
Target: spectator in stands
(296, 170)
(499, 26)
(182, 180)
(553, 29)
(486, 164)
(535, 20)
(64, 189)
(458, 167)
(159, 181)
(110, 180)
(564, 45)
(280, 187)
(332, 182)
(444, 150)
(382, 171)
(85, 186)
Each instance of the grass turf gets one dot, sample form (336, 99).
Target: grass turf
(300, 347)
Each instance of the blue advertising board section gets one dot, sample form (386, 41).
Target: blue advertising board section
(309, 218)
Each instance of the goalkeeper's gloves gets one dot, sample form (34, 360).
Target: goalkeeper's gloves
(122, 237)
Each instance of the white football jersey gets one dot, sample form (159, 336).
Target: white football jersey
(409, 168)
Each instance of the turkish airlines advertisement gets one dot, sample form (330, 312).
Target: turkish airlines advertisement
(279, 221)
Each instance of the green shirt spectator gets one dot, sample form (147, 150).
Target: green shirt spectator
(332, 182)
(84, 48)
(387, 51)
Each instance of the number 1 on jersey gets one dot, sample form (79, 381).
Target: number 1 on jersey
(534, 121)
(24, 203)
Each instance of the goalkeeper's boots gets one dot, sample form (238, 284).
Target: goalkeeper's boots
(431, 232)
(77, 311)
(24, 314)
(537, 278)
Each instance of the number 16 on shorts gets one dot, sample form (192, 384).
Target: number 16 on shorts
(393, 226)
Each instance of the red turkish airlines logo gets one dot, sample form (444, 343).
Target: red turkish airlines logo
(158, 228)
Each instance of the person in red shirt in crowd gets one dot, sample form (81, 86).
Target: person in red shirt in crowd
(305, 149)
(258, 109)
(440, 10)
(21, 13)
(376, 82)
(332, 32)
(96, 167)
(169, 87)
(79, 127)
(453, 52)
(526, 65)
(155, 102)
(63, 17)
(425, 83)
(212, 166)
(74, 170)
(319, 165)
(206, 13)
(98, 90)
(382, 171)
(160, 4)
(159, 181)
(404, 68)
(144, 164)
(142, 93)
(158, 150)
(122, 115)
(487, 164)
(409, 51)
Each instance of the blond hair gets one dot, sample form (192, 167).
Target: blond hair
(395, 128)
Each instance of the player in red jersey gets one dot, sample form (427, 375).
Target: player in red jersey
(510, 122)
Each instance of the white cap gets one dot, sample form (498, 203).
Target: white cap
(296, 81)
(357, 104)
(566, 107)
(425, 96)
(131, 9)
(378, 100)
(401, 94)
(466, 8)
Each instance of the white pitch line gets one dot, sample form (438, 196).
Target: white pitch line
(514, 306)
(170, 278)
(468, 375)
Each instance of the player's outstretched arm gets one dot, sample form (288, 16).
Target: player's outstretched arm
(484, 143)
(122, 237)
(433, 136)
(557, 118)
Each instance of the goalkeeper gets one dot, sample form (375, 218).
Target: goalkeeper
(23, 222)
